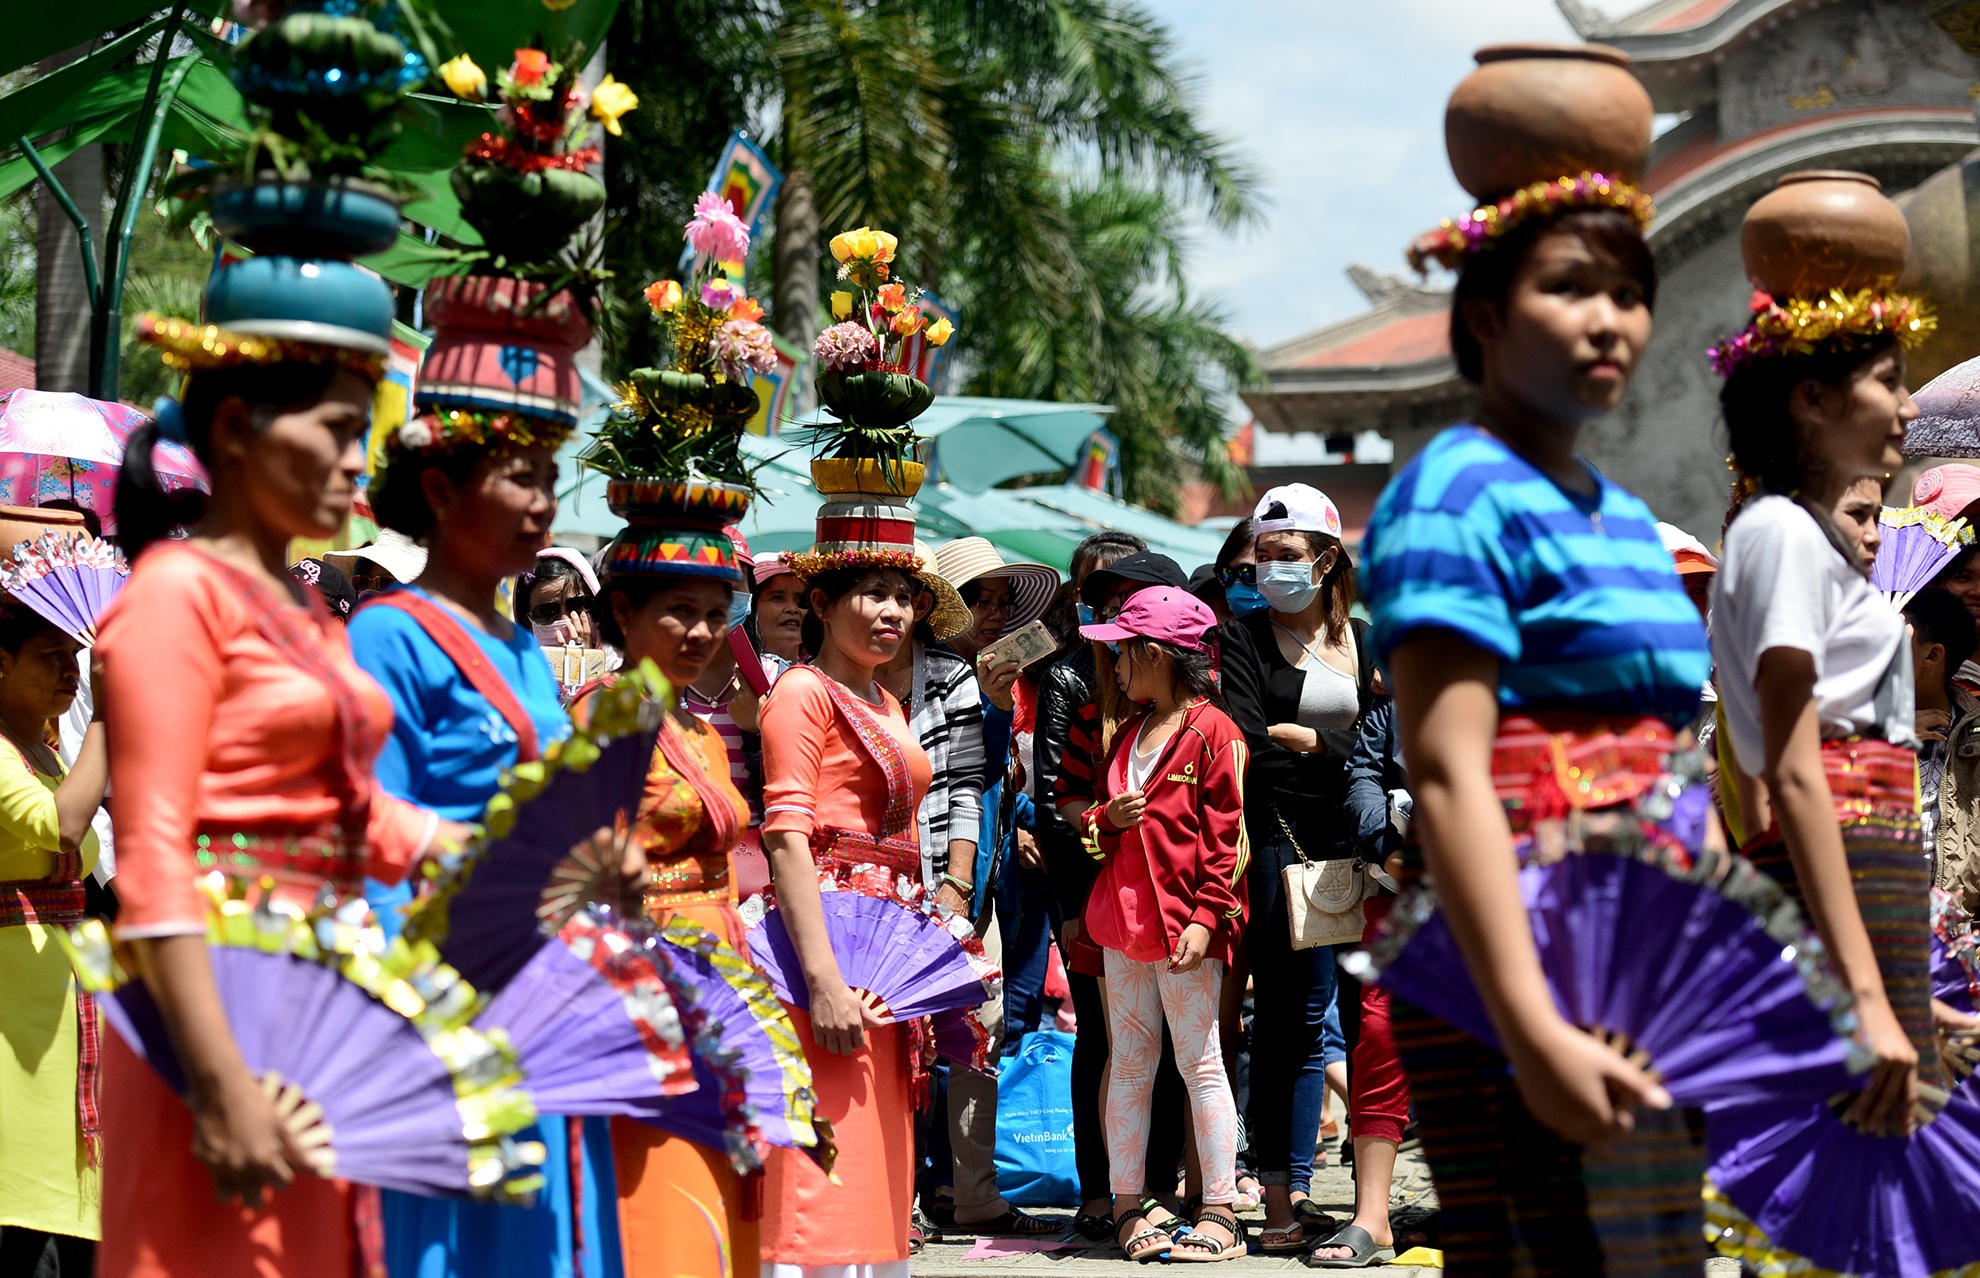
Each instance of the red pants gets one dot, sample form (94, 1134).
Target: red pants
(1378, 1094)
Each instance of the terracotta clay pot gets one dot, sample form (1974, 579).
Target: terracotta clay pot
(877, 479)
(1535, 112)
(25, 523)
(1821, 229)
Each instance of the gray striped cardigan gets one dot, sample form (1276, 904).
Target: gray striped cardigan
(945, 713)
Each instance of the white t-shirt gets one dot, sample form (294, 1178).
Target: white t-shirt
(1782, 584)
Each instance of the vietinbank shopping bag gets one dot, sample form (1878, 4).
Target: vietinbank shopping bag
(1035, 1164)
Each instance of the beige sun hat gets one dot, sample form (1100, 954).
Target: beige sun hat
(1032, 585)
(950, 616)
(395, 552)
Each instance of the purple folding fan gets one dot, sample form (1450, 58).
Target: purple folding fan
(1808, 1186)
(910, 963)
(389, 1115)
(1715, 976)
(962, 1039)
(67, 578)
(594, 1020)
(1917, 545)
(530, 869)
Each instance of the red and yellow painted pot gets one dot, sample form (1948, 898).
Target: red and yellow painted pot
(674, 528)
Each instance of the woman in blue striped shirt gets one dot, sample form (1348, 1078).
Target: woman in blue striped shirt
(1517, 594)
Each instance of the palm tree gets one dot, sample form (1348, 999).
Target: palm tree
(961, 125)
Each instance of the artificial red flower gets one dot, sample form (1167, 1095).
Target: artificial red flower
(530, 67)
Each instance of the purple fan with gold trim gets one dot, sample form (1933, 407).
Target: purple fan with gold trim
(67, 578)
(909, 964)
(1917, 545)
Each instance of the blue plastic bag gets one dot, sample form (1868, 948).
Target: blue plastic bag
(1035, 1162)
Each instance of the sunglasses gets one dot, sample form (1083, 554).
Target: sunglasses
(1247, 574)
(551, 611)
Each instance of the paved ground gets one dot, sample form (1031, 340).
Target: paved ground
(1333, 1189)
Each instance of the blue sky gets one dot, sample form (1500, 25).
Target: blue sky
(1340, 106)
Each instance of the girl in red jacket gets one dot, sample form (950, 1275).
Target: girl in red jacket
(1167, 910)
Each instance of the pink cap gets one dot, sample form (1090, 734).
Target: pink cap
(1167, 613)
(1946, 490)
(767, 566)
(734, 533)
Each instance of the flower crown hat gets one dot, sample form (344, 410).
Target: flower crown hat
(867, 469)
(502, 369)
(1824, 250)
(317, 70)
(1536, 131)
(672, 445)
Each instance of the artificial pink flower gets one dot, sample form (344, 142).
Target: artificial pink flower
(716, 232)
(845, 348)
(740, 345)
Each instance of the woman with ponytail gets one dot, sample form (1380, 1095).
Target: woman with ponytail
(234, 712)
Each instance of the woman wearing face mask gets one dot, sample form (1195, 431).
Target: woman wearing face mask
(1298, 676)
(1816, 684)
(1514, 590)
(1237, 562)
(559, 598)
(474, 696)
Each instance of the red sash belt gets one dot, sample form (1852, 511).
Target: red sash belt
(59, 903)
(856, 847)
(1544, 766)
(1864, 776)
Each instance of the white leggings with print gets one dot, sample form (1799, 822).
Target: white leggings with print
(1139, 995)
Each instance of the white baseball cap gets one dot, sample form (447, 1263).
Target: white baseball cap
(1296, 508)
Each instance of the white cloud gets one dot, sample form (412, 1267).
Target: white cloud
(1340, 105)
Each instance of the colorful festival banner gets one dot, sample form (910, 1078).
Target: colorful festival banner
(773, 390)
(1100, 467)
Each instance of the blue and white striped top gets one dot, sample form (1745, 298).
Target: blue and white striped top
(1575, 595)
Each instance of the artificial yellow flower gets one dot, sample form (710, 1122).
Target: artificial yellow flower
(663, 295)
(938, 332)
(864, 244)
(558, 6)
(464, 79)
(842, 305)
(609, 101)
(893, 297)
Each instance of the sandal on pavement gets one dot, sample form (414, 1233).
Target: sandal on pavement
(1143, 1244)
(1308, 1213)
(1162, 1218)
(1282, 1241)
(1013, 1224)
(1366, 1250)
(1248, 1199)
(1200, 1248)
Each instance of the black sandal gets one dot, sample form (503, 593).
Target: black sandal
(1201, 1248)
(1153, 1241)
(1012, 1224)
(1094, 1228)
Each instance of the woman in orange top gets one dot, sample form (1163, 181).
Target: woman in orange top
(682, 1207)
(843, 778)
(234, 710)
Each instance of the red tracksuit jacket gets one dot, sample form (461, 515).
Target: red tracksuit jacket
(1192, 831)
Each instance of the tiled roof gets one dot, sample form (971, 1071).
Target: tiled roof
(1409, 339)
(16, 371)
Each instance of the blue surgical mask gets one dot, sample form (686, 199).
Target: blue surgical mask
(1244, 599)
(739, 602)
(1085, 615)
(1287, 587)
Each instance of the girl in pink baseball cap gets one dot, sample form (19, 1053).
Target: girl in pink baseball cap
(1168, 909)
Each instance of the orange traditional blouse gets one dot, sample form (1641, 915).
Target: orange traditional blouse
(241, 739)
(689, 820)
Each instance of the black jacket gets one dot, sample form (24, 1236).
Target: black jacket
(1065, 690)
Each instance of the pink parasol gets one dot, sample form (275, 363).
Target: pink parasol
(56, 445)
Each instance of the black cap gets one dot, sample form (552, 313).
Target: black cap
(1145, 568)
(1204, 581)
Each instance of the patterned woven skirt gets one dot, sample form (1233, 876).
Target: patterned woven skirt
(1514, 1199)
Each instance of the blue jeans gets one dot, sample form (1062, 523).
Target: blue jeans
(1291, 1038)
(1024, 926)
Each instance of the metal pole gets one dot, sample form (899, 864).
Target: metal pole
(107, 324)
(56, 189)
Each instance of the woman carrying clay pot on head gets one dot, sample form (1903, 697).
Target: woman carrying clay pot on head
(1514, 589)
(1815, 680)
